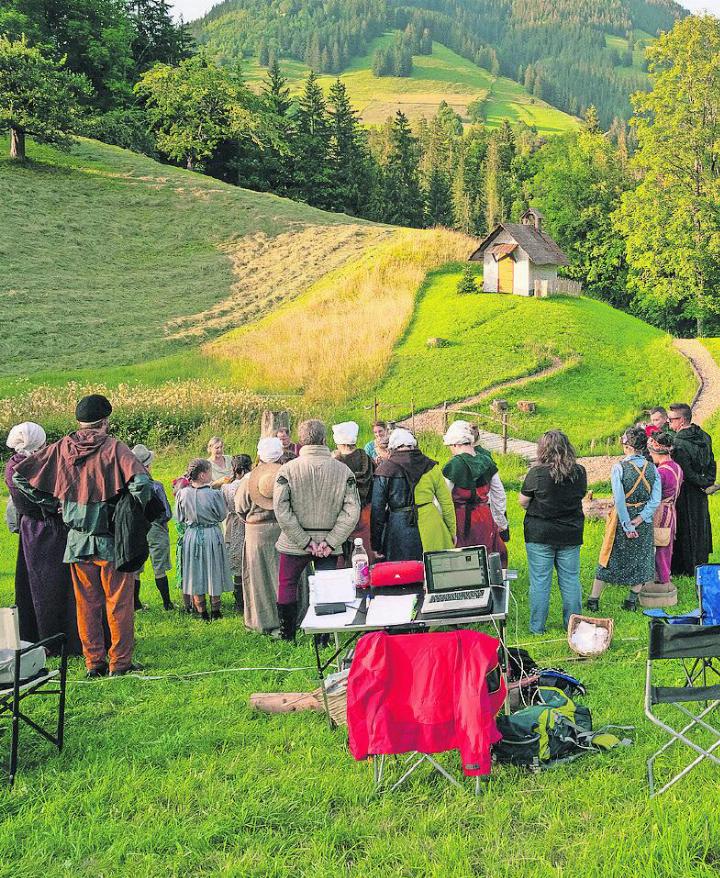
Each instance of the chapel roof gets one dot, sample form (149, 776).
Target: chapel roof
(539, 246)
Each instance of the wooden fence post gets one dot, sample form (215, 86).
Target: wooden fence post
(412, 416)
(504, 432)
(445, 416)
(376, 406)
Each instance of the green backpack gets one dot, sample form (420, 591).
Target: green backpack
(555, 729)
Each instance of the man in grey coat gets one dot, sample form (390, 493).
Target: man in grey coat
(317, 507)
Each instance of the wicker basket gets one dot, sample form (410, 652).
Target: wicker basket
(336, 691)
(576, 619)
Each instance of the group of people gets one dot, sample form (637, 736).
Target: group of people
(301, 504)
(659, 523)
(89, 515)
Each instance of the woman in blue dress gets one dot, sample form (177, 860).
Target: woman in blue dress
(627, 556)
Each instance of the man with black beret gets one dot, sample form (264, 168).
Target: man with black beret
(85, 472)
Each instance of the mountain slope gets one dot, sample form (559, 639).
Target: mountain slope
(563, 42)
(442, 76)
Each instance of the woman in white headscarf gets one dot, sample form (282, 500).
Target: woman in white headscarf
(477, 492)
(43, 587)
(361, 466)
(254, 504)
(412, 510)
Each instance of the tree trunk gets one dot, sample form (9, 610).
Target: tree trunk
(17, 144)
(189, 163)
(699, 325)
(271, 422)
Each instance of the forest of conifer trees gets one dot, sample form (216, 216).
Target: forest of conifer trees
(562, 44)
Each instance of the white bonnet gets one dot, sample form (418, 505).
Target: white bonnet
(270, 449)
(26, 438)
(459, 433)
(345, 433)
(399, 437)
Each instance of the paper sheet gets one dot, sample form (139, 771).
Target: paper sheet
(390, 610)
(334, 622)
(332, 586)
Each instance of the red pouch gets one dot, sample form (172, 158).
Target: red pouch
(389, 573)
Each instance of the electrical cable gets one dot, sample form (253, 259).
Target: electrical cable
(182, 677)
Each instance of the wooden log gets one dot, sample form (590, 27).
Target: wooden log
(524, 405)
(596, 508)
(285, 702)
(499, 405)
(436, 342)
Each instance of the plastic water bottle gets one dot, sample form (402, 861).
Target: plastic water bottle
(361, 565)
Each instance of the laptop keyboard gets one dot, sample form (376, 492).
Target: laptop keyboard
(456, 596)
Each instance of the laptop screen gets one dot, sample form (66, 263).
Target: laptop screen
(456, 569)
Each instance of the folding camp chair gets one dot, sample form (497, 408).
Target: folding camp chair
(695, 649)
(14, 656)
(707, 579)
(388, 718)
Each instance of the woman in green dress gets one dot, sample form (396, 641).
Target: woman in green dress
(627, 556)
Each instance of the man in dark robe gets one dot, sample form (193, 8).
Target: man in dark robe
(692, 449)
(85, 473)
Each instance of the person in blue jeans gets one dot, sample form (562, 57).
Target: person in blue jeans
(552, 496)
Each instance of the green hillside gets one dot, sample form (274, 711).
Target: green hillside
(111, 258)
(442, 76)
(565, 52)
(610, 360)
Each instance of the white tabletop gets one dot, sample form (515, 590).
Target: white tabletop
(339, 622)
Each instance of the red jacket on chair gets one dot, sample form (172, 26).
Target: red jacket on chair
(427, 693)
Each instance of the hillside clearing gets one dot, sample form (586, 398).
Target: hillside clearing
(273, 270)
(442, 76)
(336, 339)
(111, 258)
(612, 360)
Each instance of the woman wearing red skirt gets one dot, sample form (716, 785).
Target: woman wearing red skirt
(477, 492)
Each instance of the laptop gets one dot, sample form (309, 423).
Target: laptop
(457, 580)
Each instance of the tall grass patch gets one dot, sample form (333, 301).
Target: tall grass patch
(167, 414)
(332, 342)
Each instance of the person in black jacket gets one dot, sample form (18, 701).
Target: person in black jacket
(692, 449)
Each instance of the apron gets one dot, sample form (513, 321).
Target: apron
(612, 522)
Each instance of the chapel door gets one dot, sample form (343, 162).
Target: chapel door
(506, 274)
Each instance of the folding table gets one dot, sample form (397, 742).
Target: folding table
(349, 626)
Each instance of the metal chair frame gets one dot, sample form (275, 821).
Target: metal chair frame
(12, 696)
(695, 668)
(420, 758)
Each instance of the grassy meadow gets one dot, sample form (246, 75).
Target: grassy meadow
(133, 260)
(611, 359)
(177, 777)
(444, 75)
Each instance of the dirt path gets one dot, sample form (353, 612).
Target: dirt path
(704, 405)
(432, 420)
(707, 372)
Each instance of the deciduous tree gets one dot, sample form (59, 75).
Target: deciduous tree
(38, 97)
(671, 219)
(195, 106)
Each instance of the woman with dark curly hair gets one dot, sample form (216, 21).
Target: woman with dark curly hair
(627, 556)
